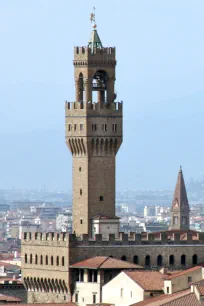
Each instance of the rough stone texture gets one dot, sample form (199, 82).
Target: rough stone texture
(91, 137)
(38, 278)
(52, 279)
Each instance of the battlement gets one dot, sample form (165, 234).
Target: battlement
(86, 53)
(125, 239)
(93, 108)
(46, 238)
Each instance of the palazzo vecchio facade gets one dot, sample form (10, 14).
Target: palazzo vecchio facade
(94, 135)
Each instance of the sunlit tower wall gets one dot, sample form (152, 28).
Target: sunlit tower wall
(93, 126)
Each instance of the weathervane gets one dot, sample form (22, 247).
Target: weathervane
(93, 17)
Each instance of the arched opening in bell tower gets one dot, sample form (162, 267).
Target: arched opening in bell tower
(81, 87)
(99, 86)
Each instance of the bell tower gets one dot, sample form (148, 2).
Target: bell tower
(180, 207)
(93, 126)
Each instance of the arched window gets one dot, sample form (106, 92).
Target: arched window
(147, 261)
(123, 258)
(194, 259)
(171, 260)
(46, 260)
(183, 260)
(26, 258)
(36, 259)
(31, 258)
(159, 260)
(57, 261)
(36, 236)
(41, 260)
(52, 261)
(100, 86)
(136, 260)
(63, 261)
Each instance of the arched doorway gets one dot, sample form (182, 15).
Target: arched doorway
(147, 261)
(123, 258)
(159, 260)
(183, 260)
(136, 260)
(171, 260)
(194, 259)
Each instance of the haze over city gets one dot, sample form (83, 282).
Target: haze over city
(159, 78)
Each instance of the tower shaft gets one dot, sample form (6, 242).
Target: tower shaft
(93, 134)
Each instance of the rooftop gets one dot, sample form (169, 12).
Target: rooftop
(163, 299)
(148, 280)
(105, 217)
(8, 298)
(104, 262)
(180, 273)
(41, 304)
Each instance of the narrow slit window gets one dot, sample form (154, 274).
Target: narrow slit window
(81, 127)
(94, 127)
(101, 198)
(69, 127)
(114, 127)
(104, 127)
(80, 191)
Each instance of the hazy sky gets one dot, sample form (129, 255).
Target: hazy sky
(160, 78)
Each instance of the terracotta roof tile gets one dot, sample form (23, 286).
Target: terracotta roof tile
(148, 280)
(104, 262)
(162, 299)
(187, 300)
(201, 289)
(101, 304)
(41, 304)
(8, 298)
(6, 264)
(177, 274)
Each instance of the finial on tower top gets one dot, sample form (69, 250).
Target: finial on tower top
(93, 18)
(95, 41)
(180, 168)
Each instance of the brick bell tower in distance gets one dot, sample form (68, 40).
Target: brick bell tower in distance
(93, 134)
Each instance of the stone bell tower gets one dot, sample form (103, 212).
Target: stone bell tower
(93, 133)
(180, 207)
